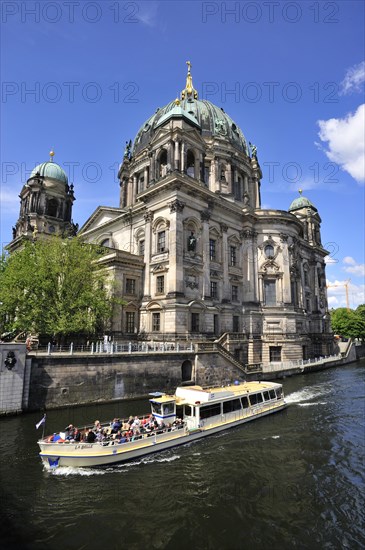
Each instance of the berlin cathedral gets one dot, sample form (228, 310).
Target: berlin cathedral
(191, 251)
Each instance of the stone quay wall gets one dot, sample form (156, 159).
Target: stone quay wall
(65, 380)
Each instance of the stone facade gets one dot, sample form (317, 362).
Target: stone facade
(14, 378)
(214, 262)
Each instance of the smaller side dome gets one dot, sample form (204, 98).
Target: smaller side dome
(50, 170)
(301, 202)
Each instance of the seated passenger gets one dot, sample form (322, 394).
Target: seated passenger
(91, 436)
(77, 435)
(115, 425)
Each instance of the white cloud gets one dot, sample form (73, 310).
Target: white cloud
(349, 260)
(9, 199)
(354, 78)
(351, 266)
(346, 142)
(330, 260)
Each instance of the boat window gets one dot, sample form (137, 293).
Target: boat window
(188, 410)
(168, 408)
(156, 408)
(259, 398)
(266, 396)
(279, 393)
(230, 406)
(272, 394)
(210, 410)
(244, 401)
(253, 399)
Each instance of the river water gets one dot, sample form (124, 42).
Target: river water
(291, 480)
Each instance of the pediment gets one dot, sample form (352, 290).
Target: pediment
(101, 217)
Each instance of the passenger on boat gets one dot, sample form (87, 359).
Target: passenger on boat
(97, 425)
(130, 420)
(116, 425)
(90, 437)
(69, 431)
(136, 423)
(77, 435)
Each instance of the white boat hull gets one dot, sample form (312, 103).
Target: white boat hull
(98, 454)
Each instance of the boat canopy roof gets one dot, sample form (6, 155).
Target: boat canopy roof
(197, 394)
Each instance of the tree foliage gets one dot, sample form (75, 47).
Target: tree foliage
(54, 287)
(350, 324)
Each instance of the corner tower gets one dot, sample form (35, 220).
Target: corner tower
(45, 205)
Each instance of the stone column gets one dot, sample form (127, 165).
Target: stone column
(176, 154)
(130, 192)
(226, 282)
(205, 291)
(152, 168)
(229, 178)
(147, 252)
(183, 160)
(175, 279)
(286, 269)
(134, 188)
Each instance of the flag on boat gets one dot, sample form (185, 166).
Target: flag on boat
(43, 421)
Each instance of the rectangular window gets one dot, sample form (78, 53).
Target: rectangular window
(270, 292)
(141, 248)
(160, 284)
(130, 286)
(213, 289)
(236, 323)
(234, 293)
(272, 394)
(275, 353)
(161, 241)
(306, 278)
(233, 256)
(156, 322)
(195, 322)
(210, 410)
(244, 401)
(266, 396)
(130, 322)
(212, 249)
(231, 406)
(253, 399)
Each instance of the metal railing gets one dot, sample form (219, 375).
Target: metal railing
(300, 363)
(111, 348)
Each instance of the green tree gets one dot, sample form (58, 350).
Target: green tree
(55, 287)
(350, 324)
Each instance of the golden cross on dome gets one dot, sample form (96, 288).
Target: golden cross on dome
(189, 88)
(51, 155)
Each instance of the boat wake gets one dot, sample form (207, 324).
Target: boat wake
(315, 403)
(70, 471)
(306, 394)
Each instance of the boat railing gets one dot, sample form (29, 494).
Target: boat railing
(111, 441)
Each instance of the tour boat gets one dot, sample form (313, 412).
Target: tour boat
(190, 414)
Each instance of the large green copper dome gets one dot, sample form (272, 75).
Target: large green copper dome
(50, 170)
(211, 120)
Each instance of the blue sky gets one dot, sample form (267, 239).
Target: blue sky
(81, 77)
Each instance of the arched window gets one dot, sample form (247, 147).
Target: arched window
(269, 251)
(223, 173)
(190, 164)
(186, 371)
(105, 242)
(52, 205)
(163, 163)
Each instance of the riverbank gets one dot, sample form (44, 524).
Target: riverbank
(44, 380)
